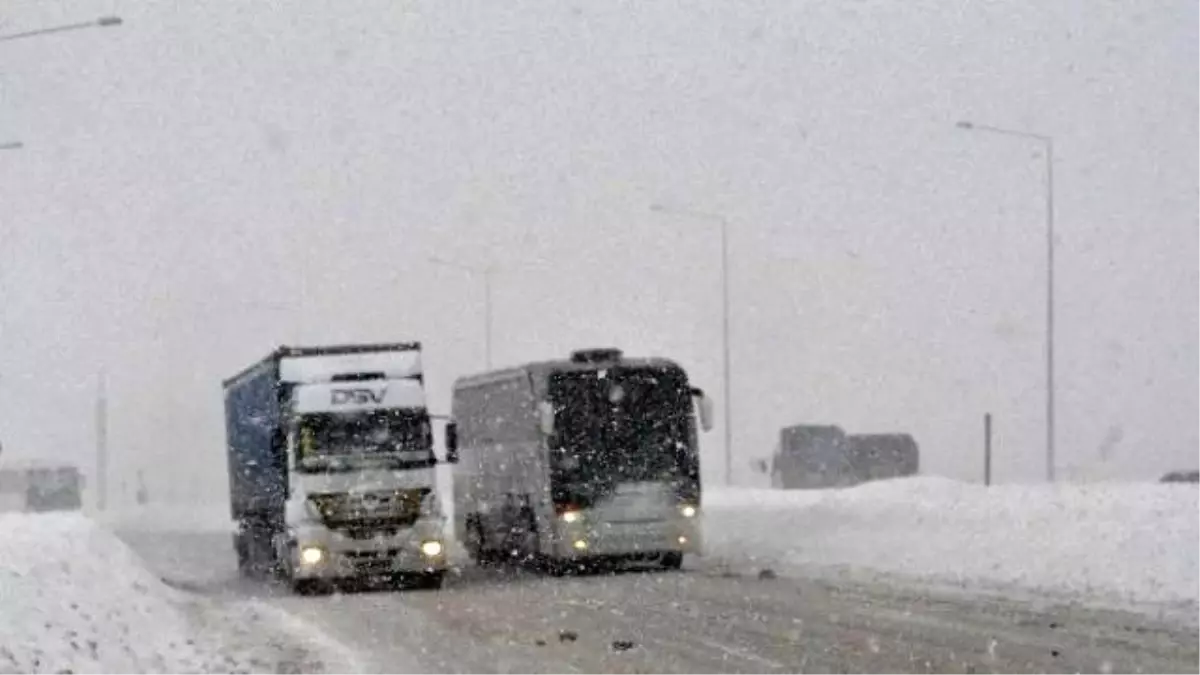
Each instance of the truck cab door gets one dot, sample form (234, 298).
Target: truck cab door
(280, 442)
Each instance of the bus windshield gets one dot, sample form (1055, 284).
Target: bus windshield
(619, 425)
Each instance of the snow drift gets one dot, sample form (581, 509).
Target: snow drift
(76, 599)
(1129, 542)
(167, 517)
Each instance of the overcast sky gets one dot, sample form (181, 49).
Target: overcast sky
(212, 179)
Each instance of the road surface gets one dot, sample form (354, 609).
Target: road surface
(700, 620)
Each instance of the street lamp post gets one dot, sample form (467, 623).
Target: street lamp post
(102, 439)
(723, 222)
(486, 273)
(102, 22)
(1048, 144)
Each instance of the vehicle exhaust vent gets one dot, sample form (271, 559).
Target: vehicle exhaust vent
(596, 355)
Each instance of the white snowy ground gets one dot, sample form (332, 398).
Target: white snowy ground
(1126, 543)
(74, 598)
(1123, 544)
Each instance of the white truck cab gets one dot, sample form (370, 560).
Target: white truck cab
(348, 488)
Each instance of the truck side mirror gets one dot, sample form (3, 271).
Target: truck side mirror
(546, 417)
(704, 404)
(451, 443)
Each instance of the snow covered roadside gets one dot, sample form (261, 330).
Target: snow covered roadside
(74, 598)
(195, 518)
(1115, 543)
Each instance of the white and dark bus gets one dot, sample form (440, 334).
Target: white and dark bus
(571, 461)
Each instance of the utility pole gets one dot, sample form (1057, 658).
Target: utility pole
(987, 449)
(486, 273)
(102, 440)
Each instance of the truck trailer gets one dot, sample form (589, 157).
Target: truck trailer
(824, 456)
(331, 467)
(572, 461)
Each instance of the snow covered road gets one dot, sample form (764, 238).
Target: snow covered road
(706, 619)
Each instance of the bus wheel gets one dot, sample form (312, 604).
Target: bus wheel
(672, 560)
(475, 543)
(431, 581)
(528, 548)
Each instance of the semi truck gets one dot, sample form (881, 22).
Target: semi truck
(571, 461)
(331, 467)
(40, 486)
(824, 456)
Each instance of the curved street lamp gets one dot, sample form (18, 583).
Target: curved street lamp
(1048, 144)
(723, 222)
(102, 22)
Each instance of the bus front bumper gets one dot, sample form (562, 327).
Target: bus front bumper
(585, 538)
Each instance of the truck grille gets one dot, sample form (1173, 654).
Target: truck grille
(373, 562)
(370, 512)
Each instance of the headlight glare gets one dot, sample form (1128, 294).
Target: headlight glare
(311, 555)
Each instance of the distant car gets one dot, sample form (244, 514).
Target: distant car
(1181, 477)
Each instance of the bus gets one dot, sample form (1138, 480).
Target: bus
(569, 462)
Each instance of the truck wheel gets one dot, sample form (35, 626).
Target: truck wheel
(262, 557)
(243, 557)
(671, 560)
(432, 581)
(310, 587)
(524, 546)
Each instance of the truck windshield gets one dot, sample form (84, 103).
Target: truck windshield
(386, 439)
(619, 425)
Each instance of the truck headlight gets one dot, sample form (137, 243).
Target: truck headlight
(431, 549)
(687, 511)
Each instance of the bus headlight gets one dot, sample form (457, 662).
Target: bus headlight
(431, 549)
(311, 555)
(570, 517)
(687, 511)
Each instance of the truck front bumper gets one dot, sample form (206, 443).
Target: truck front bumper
(317, 552)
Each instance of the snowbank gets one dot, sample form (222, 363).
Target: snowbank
(191, 518)
(76, 599)
(1131, 542)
